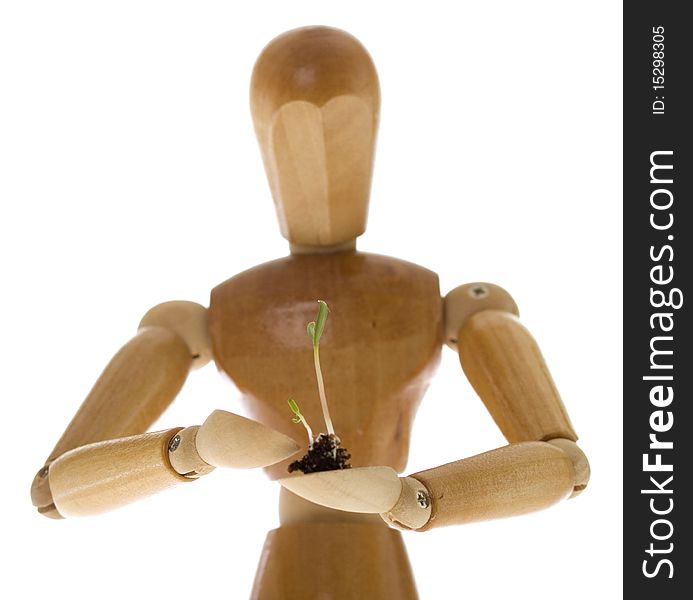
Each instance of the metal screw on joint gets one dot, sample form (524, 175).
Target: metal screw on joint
(422, 499)
(174, 443)
(479, 291)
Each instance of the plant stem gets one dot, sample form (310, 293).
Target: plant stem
(310, 433)
(321, 390)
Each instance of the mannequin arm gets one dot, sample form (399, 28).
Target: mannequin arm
(543, 464)
(132, 392)
(102, 445)
(105, 475)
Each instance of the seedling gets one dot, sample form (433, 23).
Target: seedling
(324, 453)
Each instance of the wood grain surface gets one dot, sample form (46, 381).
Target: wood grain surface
(513, 480)
(504, 364)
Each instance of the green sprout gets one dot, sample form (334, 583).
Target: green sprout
(324, 452)
(315, 329)
(299, 418)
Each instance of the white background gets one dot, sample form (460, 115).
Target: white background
(130, 175)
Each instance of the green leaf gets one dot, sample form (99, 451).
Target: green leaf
(294, 407)
(297, 413)
(311, 330)
(319, 327)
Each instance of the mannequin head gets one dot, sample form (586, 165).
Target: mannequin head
(315, 102)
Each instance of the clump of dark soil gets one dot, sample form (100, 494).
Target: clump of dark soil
(324, 454)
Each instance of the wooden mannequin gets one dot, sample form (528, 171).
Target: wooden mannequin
(315, 102)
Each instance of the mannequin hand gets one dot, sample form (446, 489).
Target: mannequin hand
(229, 440)
(361, 489)
(402, 502)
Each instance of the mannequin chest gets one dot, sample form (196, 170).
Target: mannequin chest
(379, 350)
